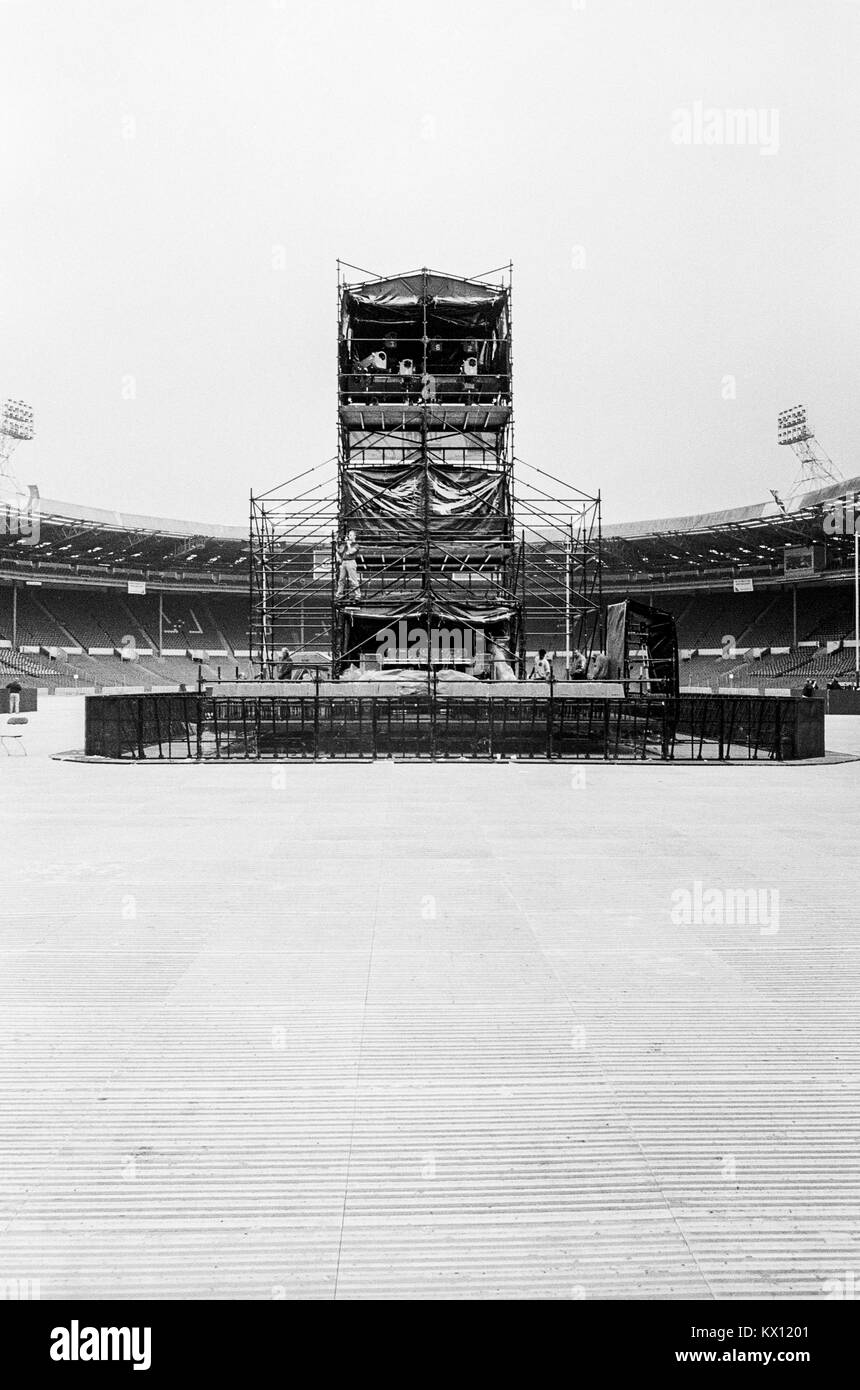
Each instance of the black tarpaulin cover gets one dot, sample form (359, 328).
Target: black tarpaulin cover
(449, 300)
(635, 624)
(616, 640)
(443, 608)
(408, 291)
(387, 503)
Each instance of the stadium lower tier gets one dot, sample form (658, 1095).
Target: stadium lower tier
(85, 637)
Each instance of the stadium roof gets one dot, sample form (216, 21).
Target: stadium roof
(758, 513)
(740, 539)
(88, 542)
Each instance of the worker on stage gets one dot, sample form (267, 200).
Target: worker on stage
(542, 670)
(347, 554)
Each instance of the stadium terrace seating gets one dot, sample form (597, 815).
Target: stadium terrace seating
(826, 616)
(230, 619)
(714, 671)
(188, 624)
(35, 627)
(83, 623)
(773, 626)
(34, 670)
(760, 620)
(710, 617)
(53, 618)
(141, 618)
(821, 616)
(774, 667)
(823, 667)
(789, 669)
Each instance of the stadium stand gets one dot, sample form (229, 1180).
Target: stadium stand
(35, 627)
(773, 626)
(36, 669)
(713, 671)
(823, 667)
(828, 617)
(84, 622)
(74, 609)
(710, 617)
(771, 669)
(230, 620)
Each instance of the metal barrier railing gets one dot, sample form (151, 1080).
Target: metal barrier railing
(429, 726)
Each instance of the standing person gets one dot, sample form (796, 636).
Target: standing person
(347, 554)
(13, 689)
(285, 666)
(542, 670)
(578, 665)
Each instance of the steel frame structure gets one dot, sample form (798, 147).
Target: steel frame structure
(542, 563)
(290, 566)
(424, 419)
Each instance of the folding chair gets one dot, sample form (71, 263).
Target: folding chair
(12, 735)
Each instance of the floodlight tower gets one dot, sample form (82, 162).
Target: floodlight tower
(16, 424)
(816, 466)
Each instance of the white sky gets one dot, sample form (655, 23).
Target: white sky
(153, 153)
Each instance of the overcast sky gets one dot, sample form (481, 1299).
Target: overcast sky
(178, 177)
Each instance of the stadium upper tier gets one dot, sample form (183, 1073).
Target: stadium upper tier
(85, 545)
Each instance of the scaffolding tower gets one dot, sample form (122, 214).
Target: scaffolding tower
(451, 558)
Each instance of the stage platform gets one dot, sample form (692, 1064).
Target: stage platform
(351, 690)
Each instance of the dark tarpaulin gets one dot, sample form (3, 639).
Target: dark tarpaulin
(442, 609)
(395, 303)
(468, 616)
(384, 503)
(616, 639)
(371, 626)
(649, 626)
(408, 291)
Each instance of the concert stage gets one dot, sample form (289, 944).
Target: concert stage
(565, 722)
(418, 684)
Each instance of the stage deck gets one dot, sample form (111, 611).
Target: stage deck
(351, 690)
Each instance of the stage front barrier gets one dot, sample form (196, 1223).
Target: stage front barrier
(307, 724)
